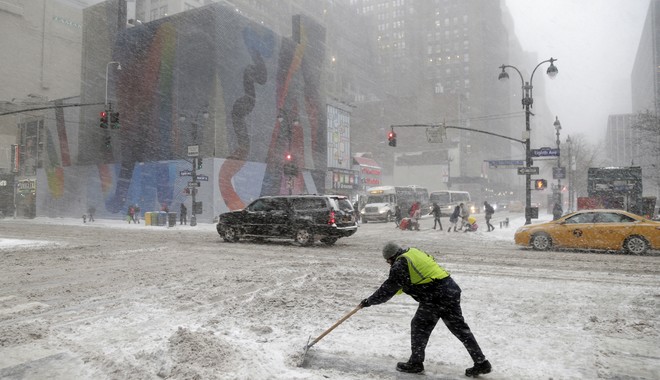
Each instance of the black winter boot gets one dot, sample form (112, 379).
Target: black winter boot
(409, 367)
(478, 369)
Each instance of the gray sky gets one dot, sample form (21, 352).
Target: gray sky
(595, 42)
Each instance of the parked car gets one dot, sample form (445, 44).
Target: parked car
(303, 218)
(593, 229)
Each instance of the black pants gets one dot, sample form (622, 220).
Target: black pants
(436, 220)
(490, 226)
(449, 310)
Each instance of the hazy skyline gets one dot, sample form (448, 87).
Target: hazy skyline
(595, 42)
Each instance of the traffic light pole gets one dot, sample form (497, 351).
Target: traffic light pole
(193, 191)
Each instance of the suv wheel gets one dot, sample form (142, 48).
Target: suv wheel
(230, 234)
(304, 236)
(329, 240)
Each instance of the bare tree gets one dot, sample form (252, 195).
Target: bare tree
(584, 155)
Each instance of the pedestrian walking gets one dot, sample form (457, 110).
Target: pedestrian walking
(489, 210)
(436, 215)
(453, 219)
(90, 213)
(417, 215)
(465, 214)
(130, 214)
(136, 214)
(183, 214)
(417, 274)
(557, 211)
(397, 215)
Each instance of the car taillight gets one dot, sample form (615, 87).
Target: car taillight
(331, 220)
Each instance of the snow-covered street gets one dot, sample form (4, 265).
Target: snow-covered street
(109, 300)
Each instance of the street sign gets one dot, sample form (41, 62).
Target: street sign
(504, 164)
(201, 177)
(184, 173)
(558, 173)
(434, 134)
(193, 150)
(528, 170)
(545, 152)
(193, 184)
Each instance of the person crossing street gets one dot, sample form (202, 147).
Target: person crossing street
(414, 272)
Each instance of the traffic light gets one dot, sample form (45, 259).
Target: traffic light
(391, 137)
(107, 141)
(540, 184)
(114, 120)
(199, 163)
(288, 157)
(104, 119)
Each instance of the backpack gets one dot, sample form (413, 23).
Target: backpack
(490, 209)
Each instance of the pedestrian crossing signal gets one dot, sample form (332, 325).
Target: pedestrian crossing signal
(540, 184)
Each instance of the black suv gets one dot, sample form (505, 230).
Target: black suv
(304, 218)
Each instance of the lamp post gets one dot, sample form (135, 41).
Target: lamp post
(557, 126)
(570, 181)
(527, 101)
(107, 67)
(193, 189)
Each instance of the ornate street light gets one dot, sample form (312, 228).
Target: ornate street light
(570, 181)
(558, 197)
(527, 101)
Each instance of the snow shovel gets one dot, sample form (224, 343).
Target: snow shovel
(326, 332)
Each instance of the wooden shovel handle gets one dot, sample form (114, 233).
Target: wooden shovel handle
(339, 322)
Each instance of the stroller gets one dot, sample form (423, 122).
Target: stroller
(471, 225)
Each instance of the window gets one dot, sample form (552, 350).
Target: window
(581, 218)
(308, 203)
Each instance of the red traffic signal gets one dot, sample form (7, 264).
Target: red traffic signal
(540, 184)
(288, 157)
(391, 137)
(104, 119)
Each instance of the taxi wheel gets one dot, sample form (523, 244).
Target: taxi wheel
(541, 241)
(635, 245)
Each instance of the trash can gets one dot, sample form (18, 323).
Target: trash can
(161, 218)
(171, 219)
(147, 218)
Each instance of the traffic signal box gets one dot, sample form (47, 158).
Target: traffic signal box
(391, 137)
(114, 120)
(540, 184)
(103, 123)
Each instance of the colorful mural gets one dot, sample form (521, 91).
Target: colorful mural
(261, 93)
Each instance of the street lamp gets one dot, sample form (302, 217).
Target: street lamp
(106, 79)
(193, 189)
(570, 181)
(557, 125)
(527, 101)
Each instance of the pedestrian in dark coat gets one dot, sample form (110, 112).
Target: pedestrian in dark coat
(183, 214)
(453, 219)
(436, 215)
(489, 210)
(417, 274)
(557, 211)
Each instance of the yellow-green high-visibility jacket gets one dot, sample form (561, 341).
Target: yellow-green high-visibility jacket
(422, 267)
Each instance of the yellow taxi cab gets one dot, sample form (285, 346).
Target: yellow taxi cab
(593, 229)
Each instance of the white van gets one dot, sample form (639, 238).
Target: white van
(449, 199)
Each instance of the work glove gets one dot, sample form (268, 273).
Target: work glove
(365, 303)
